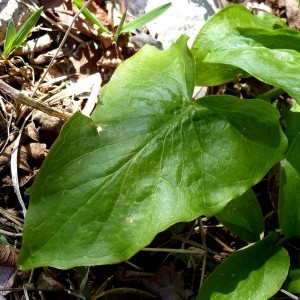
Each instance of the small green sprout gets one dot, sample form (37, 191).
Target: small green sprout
(137, 23)
(91, 17)
(13, 39)
(146, 18)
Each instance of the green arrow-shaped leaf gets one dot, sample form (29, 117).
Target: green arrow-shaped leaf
(149, 157)
(222, 32)
(282, 38)
(243, 216)
(236, 43)
(255, 273)
(293, 282)
(289, 196)
(279, 67)
(293, 122)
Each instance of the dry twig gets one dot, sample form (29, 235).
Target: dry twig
(25, 100)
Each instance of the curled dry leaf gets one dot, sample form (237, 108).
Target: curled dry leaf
(8, 256)
(35, 45)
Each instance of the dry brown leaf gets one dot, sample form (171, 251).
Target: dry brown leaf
(6, 181)
(99, 12)
(111, 57)
(65, 11)
(25, 179)
(59, 69)
(8, 256)
(5, 155)
(47, 282)
(36, 150)
(46, 122)
(85, 59)
(32, 131)
(166, 283)
(23, 159)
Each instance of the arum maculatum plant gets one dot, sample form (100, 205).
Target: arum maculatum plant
(162, 157)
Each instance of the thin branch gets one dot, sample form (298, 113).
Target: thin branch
(25, 100)
(203, 237)
(170, 250)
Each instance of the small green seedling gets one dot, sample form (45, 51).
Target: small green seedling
(13, 39)
(146, 18)
(137, 23)
(91, 17)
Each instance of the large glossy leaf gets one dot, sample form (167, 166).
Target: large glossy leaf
(293, 284)
(243, 216)
(289, 196)
(255, 273)
(293, 122)
(282, 38)
(220, 33)
(149, 157)
(274, 66)
(289, 199)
